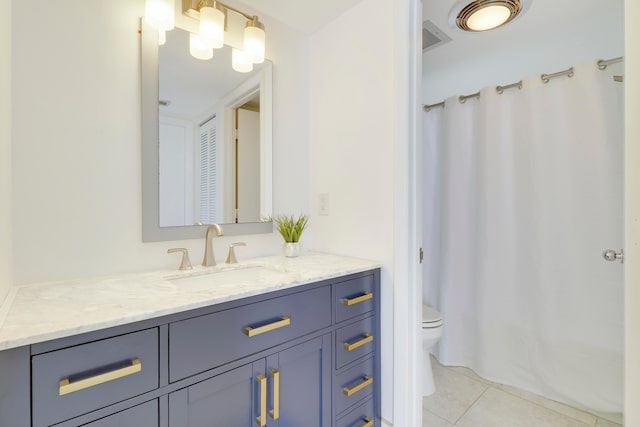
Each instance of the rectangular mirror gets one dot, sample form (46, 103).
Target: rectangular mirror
(206, 141)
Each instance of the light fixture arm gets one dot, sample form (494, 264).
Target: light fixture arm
(225, 8)
(212, 15)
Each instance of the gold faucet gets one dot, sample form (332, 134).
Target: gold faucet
(209, 259)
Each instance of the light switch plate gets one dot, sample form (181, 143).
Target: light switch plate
(323, 204)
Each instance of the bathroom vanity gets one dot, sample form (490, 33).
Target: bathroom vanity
(290, 343)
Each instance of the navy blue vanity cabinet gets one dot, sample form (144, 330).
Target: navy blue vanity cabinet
(304, 391)
(79, 379)
(356, 375)
(360, 416)
(287, 388)
(202, 343)
(225, 400)
(144, 415)
(305, 356)
(15, 391)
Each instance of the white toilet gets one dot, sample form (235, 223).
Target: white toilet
(431, 333)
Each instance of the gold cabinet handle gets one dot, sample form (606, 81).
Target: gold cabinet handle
(364, 297)
(275, 412)
(262, 417)
(66, 386)
(252, 332)
(368, 422)
(366, 381)
(349, 346)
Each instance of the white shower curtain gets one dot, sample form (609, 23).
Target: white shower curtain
(523, 192)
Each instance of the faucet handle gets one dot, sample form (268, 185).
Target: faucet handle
(185, 264)
(231, 258)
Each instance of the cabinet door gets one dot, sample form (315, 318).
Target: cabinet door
(227, 400)
(300, 385)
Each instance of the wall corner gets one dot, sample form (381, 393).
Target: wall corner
(6, 181)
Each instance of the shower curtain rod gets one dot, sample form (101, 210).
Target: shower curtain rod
(602, 64)
(546, 78)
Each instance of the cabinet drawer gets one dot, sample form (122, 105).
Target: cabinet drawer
(353, 297)
(205, 342)
(354, 341)
(80, 379)
(353, 385)
(362, 416)
(145, 415)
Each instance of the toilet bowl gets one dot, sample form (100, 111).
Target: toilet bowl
(431, 333)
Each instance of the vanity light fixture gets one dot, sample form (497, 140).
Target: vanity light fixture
(211, 24)
(211, 16)
(240, 61)
(159, 15)
(483, 15)
(254, 41)
(198, 48)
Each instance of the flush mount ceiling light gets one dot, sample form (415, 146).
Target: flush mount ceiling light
(483, 15)
(211, 16)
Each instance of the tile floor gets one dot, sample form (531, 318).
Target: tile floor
(463, 399)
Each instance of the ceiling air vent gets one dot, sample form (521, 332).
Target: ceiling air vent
(432, 36)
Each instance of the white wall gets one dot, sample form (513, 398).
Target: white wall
(6, 276)
(538, 42)
(352, 150)
(76, 141)
(632, 214)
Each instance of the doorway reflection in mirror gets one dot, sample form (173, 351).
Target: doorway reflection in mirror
(211, 147)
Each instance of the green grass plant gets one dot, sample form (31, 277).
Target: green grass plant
(290, 227)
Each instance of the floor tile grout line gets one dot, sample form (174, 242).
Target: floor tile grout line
(551, 409)
(437, 416)
(607, 421)
(545, 407)
(472, 403)
(471, 375)
(496, 386)
(474, 380)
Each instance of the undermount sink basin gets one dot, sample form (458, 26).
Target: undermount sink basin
(254, 274)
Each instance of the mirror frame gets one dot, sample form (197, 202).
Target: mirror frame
(151, 230)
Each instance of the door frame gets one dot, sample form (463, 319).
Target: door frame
(407, 279)
(632, 213)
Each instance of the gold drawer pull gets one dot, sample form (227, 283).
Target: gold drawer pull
(368, 422)
(275, 412)
(262, 418)
(252, 332)
(66, 386)
(352, 346)
(366, 381)
(364, 297)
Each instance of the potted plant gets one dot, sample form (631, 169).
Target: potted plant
(291, 228)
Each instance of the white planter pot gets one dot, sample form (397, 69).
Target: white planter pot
(291, 250)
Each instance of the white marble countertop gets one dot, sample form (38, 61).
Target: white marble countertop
(43, 311)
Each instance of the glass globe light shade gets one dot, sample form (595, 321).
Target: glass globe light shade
(160, 14)
(198, 49)
(240, 62)
(254, 43)
(212, 27)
